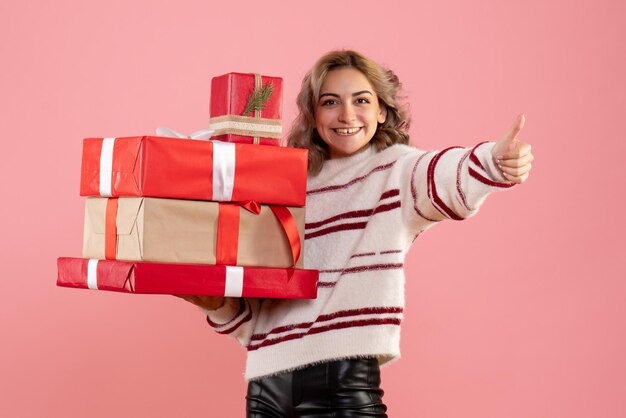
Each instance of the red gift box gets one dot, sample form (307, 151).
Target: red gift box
(195, 170)
(230, 96)
(186, 279)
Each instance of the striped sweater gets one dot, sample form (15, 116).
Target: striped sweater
(363, 213)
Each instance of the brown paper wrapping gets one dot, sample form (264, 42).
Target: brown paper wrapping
(185, 231)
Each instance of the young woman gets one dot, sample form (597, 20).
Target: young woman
(369, 195)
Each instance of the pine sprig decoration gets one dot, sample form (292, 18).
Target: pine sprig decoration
(258, 98)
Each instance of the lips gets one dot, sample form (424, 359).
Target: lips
(347, 131)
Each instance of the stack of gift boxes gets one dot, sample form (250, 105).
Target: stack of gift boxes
(223, 217)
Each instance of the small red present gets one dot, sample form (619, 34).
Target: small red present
(187, 279)
(246, 108)
(196, 170)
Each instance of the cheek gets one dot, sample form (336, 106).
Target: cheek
(318, 121)
(321, 129)
(322, 123)
(321, 118)
(375, 117)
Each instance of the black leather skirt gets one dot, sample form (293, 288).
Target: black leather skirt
(344, 388)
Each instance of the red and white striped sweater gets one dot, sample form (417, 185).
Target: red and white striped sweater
(363, 213)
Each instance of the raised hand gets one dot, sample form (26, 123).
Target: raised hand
(512, 155)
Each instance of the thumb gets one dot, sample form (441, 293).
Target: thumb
(515, 129)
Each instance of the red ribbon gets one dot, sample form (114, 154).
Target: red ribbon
(227, 234)
(228, 230)
(110, 229)
(290, 228)
(250, 206)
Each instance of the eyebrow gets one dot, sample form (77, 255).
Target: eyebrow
(358, 93)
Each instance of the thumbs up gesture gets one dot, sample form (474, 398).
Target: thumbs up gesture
(512, 155)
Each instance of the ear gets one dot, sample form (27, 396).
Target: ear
(382, 114)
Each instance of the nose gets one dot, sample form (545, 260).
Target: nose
(347, 113)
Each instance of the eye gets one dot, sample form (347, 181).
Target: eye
(329, 102)
(362, 100)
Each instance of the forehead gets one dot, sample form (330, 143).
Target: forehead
(345, 80)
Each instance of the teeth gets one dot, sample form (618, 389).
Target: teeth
(346, 131)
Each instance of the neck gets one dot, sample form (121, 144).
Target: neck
(362, 154)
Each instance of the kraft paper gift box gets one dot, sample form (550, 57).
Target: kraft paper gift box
(234, 120)
(190, 169)
(186, 279)
(194, 232)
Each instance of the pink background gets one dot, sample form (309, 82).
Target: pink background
(518, 312)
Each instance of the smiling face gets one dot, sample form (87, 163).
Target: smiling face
(347, 112)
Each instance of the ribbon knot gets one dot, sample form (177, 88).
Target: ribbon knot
(202, 134)
(228, 230)
(250, 206)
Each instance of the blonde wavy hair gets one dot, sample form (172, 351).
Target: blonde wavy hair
(394, 130)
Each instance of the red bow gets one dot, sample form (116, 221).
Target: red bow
(228, 230)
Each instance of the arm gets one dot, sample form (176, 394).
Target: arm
(453, 183)
(230, 316)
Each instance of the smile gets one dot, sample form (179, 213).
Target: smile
(346, 131)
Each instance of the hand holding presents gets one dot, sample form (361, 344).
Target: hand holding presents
(210, 303)
(512, 155)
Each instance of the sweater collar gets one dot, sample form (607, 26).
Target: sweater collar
(334, 164)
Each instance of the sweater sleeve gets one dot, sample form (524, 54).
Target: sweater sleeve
(450, 184)
(235, 318)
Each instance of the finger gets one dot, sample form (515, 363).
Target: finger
(516, 128)
(516, 162)
(515, 150)
(516, 179)
(188, 298)
(516, 171)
